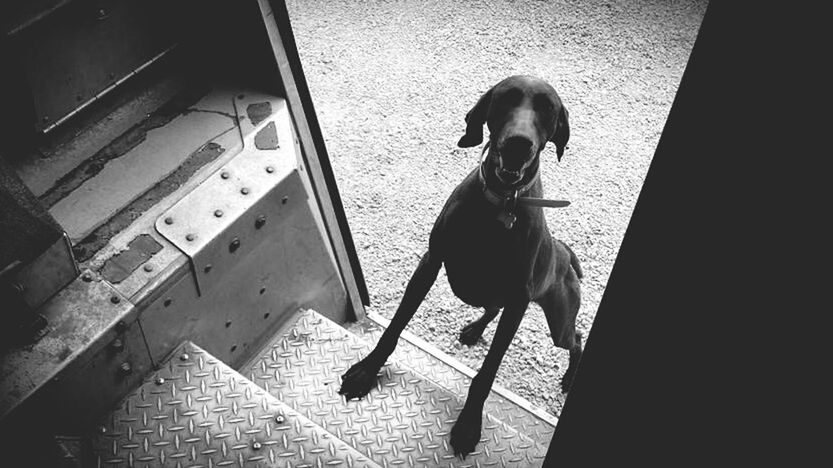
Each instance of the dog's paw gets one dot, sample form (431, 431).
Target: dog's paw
(359, 379)
(466, 432)
(470, 334)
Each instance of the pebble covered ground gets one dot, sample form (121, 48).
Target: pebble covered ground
(391, 82)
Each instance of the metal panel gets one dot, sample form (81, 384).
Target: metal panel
(279, 30)
(196, 411)
(221, 220)
(82, 319)
(96, 386)
(62, 72)
(404, 421)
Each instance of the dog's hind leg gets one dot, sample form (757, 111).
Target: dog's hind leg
(474, 330)
(560, 304)
(361, 377)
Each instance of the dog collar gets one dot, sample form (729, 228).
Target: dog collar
(510, 200)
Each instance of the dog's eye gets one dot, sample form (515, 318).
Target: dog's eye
(542, 102)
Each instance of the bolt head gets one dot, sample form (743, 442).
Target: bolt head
(207, 268)
(224, 175)
(190, 237)
(148, 267)
(256, 445)
(125, 368)
(169, 220)
(115, 299)
(184, 357)
(117, 345)
(260, 221)
(86, 277)
(270, 169)
(159, 381)
(244, 190)
(234, 245)
(218, 213)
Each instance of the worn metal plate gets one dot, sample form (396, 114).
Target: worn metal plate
(82, 318)
(230, 213)
(404, 421)
(451, 374)
(196, 411)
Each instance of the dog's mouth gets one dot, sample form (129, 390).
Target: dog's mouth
(509, 177)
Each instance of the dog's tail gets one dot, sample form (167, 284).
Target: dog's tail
(574, 261)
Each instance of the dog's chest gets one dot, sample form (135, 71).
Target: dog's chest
(481, 257)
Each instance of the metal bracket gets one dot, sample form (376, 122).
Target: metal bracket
(230, 213)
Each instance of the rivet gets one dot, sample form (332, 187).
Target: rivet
(86, 277)
(159, 381)
(224, 175)
(115, 299)
(260, 221)
(218, 213)
(121, 326)
(190, 237)
(234, 245)
(102, 430)
(148, 267)
(184, 357)
(270, 169)
(279, 419)
(244, 191)
(117, 345)
(169, 220)
(284, 200)
(256, 445)
(168, 302)
(207, 268)
(125, 368)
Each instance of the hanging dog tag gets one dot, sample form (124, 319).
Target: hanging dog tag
(507, 218)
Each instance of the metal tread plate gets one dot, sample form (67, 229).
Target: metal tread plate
(197, 412)
(449, 373)
(404, 421)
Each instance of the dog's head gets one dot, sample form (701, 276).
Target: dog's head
(523, 113)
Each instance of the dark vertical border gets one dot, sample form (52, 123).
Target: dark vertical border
(281, 16)
(683, 363)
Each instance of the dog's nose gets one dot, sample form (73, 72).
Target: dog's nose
(518, 144)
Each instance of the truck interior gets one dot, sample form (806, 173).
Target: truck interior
(178, 283)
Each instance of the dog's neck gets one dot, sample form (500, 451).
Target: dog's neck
(494, 188)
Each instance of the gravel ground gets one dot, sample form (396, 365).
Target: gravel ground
(392, 82)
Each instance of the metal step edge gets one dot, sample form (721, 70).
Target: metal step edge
(372, 327)
(169, 419)
(316, 396)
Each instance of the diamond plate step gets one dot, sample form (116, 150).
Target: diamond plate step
(451, 374)
(404, 421)
(197, 412)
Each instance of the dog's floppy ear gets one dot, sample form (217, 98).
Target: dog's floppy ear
(475, 119)
(562, 132)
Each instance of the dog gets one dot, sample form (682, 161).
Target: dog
(494, 242)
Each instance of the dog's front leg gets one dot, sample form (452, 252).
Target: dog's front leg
(361, 377)
(466, 431)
